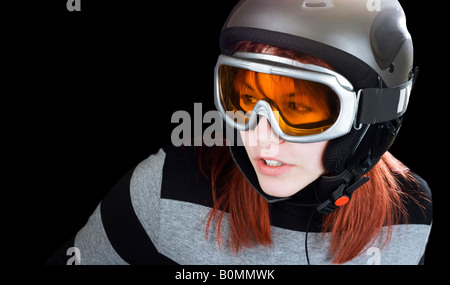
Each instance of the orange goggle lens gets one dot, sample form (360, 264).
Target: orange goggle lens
(301, 107)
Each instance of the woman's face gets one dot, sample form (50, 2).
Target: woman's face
(282, 168)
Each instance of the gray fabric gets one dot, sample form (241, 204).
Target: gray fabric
(145, 188)
(94, 246)
(183, 229)
(177, 229)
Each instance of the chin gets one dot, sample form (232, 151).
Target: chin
(281, 188)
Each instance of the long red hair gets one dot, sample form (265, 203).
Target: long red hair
(377, 204)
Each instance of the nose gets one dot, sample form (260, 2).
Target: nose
(265, 136)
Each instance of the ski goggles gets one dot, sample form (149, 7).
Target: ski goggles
(303, 103)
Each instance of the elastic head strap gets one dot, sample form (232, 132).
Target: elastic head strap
(377, 105)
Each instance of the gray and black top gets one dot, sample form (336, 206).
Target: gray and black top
(157, 214)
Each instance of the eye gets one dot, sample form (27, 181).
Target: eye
(249, 99)
(294, 106)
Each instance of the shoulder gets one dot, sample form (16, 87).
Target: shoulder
(145, 182)
(134, 212)
(169, 194)
(145, 188)
(172, 173)
(418, 200)
(409, 238)
(127, 225)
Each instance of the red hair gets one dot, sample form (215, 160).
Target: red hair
(377, 204)
(231, 192)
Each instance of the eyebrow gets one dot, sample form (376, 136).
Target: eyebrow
(248, 86)
(292, 94)
(257, 87)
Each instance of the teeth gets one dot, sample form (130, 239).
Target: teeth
(273, 163)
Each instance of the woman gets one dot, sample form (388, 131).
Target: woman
(317, 91)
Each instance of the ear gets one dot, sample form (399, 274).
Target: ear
(340, 150)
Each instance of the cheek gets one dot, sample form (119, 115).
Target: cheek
(309, 156)
(309, 167)
(312, 152)
(308, 161)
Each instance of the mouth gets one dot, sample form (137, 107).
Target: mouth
(272, 167)
(274, 163)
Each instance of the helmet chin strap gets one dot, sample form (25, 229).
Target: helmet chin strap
(337, 190)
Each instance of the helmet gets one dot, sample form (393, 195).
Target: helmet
(360, 43)
(368, 45)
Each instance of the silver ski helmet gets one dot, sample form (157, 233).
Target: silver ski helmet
(367, 43)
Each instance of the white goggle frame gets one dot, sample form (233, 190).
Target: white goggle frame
(275, 65)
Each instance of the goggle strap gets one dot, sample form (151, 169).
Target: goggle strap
(377, 105)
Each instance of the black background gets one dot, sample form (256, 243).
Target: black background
(93, 93)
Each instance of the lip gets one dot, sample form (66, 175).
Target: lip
(272, 170)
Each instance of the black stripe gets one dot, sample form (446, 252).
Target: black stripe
(182, 178)
(123, 229)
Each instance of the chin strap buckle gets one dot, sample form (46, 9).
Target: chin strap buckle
(340, 197)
